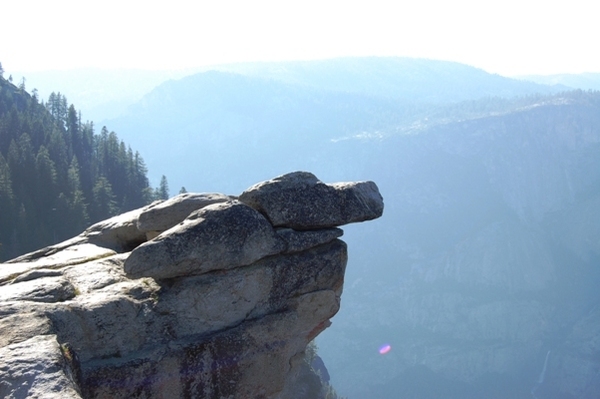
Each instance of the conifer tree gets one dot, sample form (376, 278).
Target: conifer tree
(77, 208)
(162, 191)
(6, 207)
(104, 205)
(45, 183)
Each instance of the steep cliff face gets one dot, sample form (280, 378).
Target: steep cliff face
(487, 259)
(203, 295)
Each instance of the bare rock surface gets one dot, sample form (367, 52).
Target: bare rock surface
(166, 214)
(49, 289)
(301, 201)
(219, 236)
(36, 368)
(220, 304)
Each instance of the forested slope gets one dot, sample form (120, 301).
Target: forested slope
(56, 174)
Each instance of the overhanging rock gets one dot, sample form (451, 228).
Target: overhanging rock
(301, 201)
(200, 296)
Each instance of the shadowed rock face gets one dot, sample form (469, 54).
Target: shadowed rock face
(220, 303)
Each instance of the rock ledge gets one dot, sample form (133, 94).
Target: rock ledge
(203, 295)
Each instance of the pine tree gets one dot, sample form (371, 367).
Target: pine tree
(6, 208)
(78, 215)
(45, 186)
(162, 191)
(103, 205)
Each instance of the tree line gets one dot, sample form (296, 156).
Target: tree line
(57, 175)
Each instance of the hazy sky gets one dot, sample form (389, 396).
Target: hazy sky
(508, 37)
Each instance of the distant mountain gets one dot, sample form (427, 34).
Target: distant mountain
(583, 81)
(104, 94)
(217, 122)
(411, 79)
(100, 93)
(268, 110)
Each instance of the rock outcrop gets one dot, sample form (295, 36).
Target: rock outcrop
(200, 296)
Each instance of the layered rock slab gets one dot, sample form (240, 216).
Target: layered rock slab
(220, 304)
(166, 214)
(217, 237)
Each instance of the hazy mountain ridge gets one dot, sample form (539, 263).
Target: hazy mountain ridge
(423, 80)
(488, 260)
(104, 94)
(100, 93)
(222, 110)
(230, 115)
(584, 81)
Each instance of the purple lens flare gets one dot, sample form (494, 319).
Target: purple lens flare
(385, 349)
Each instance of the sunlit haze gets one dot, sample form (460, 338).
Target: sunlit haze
(510, 38)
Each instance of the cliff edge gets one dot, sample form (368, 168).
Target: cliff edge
(199, 296)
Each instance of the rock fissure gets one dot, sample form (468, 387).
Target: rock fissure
(199, 296)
